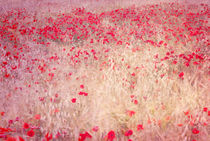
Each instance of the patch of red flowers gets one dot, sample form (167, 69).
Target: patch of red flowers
(48, 137)
(83, 93)
(181, 74)
(82, 137)
(195, 131)
(11, 139)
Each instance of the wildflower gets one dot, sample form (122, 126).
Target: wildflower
(10, 122)
(128, 133)
(56, 110)
(187, 64)
(47, 137)
(174, 62)
(20, 138)
(37, 117)
(83, 93)
(187, 112)
(91, 41)
(195, 63)
(119, 43)
(30, 133)
(73, 100)
(7, 54)
(135, 101)
(2, 130)
(56, 95)
(2, 113)
(7, 75)
(25, 126)
(111, 135)
(167, 53)
(160, 43)
(180, 124)
(205, 109)
(4, 62)
(140, 127)
(132, 96)
(195, 131)
(181, 74)
(57, 135)
(11, 139)
(149, 121)
(131, 113)
(84, 136)
(95, 129)
(82, 86)
(168, 118)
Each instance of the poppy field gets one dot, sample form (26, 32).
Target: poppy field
(137, 73)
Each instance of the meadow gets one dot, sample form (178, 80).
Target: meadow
(137, 73)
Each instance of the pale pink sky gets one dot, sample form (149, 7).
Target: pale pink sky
(89, 4)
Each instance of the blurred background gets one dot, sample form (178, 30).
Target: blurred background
(92, 5)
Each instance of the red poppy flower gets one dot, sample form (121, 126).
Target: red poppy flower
(132, 96)
(84, 136)
(111, 135)
(2, 113)
(95, 129)
(205, 109)
(73, 100)
(129, 133)
(37, 117)
(131, 113)
(7, 75)
(83, 93)
(11, 139)
(82, 86)
(160, 43)
(21, 139)
(195, 131)
(25, 126)
(181, 74)
(47, 137)
(180, 124)
(140, 127)
(187, 112)
(2, 130)
(135, 101)
(174, 62)
(30, 133)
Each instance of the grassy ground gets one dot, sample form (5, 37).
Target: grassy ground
(136, 73)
